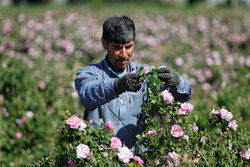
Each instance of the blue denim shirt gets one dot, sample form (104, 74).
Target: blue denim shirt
(95, 86)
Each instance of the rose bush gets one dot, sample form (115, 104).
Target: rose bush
(177, 140)
(170, 137)
(91, 147)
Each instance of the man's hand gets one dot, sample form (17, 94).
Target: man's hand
(169, 76)
(129, 82)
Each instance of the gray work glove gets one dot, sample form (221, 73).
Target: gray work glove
(129, 82)
(169, 76)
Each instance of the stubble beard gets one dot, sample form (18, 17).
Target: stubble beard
(112, 63)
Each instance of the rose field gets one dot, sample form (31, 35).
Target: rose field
(41, 49)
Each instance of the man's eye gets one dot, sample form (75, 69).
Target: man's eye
(117, 47)
(128, 47)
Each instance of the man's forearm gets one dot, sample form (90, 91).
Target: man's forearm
(93, 92)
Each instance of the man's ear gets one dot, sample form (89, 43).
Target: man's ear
(104, 44)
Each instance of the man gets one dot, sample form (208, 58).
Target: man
(109, 91)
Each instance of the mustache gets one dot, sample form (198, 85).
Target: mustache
(123, 59)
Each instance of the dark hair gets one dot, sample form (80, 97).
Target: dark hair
(119, 29)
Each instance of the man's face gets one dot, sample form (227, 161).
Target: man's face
(119, 55)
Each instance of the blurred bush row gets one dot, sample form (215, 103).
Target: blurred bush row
(159, 2)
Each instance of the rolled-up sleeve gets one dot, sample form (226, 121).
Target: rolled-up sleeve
(92, 91)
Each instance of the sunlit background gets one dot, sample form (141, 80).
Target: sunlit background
(44, 42)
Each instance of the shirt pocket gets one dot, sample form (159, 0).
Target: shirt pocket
(135, 103)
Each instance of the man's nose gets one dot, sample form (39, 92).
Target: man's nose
(123, 53)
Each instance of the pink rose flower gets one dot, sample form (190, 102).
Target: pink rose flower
(21, 18)
(19, 135)
(168, 98)
(202, 24)
(176, 131)
(110, 126)
(245, 154)
(226, 114)
(138, 160)
(146, 70)
(196, 160)
(7, 28)
(73, 122)
(208, 73)
(195, 128)
(203, 139)
(206, 86)
(157, 162)
(230, 145)
(105, 154)
(82, 151)
(173, 159)
(82, 126)
(23, 120)
(233, 125)
(187, 107)
(29, 114)
(91, 121)
(181, 112)
(5, 112)
(186, 156)
(71, 163)
(115, 143)
(160, 67)
(124, 154)
(179, 61)
(1, 48)
(215, 112)
(163, 157)
(152, 133)
(41, 85)
(186, 137)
